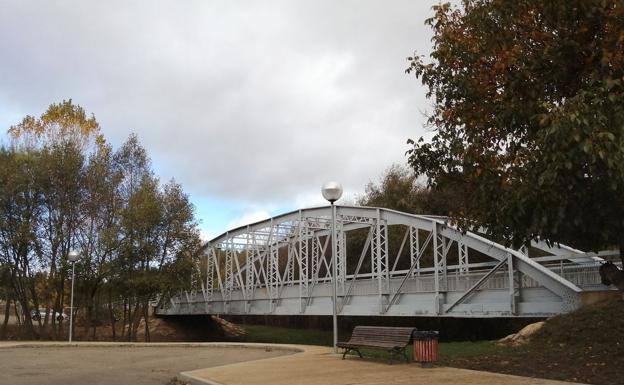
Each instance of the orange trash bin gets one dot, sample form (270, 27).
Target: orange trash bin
(426, 347)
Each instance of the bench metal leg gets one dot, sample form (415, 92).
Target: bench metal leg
(347, 350)
(392, 353)
(405, 355)
(398, 352)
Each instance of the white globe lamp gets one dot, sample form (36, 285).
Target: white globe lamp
(332, 191)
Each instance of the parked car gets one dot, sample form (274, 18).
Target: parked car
(61, 316)
(36, 314)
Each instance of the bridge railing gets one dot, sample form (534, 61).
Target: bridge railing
(585, 276)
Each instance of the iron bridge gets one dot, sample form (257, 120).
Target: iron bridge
(388, 263)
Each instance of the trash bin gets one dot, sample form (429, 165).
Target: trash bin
(426, 347)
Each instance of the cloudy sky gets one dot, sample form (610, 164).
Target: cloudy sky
(250, 105)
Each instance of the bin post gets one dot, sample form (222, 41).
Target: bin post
(426, 347)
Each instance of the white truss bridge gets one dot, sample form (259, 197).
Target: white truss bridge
(388, 263)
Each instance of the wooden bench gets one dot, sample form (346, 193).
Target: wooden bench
(391, 339)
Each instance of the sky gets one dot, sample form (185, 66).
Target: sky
(250, 105)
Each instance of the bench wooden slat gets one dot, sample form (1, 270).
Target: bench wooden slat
(378, 337)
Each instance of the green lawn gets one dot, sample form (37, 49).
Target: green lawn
(448, 350)
(277, 335)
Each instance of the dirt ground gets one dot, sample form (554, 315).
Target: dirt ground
(117, 365)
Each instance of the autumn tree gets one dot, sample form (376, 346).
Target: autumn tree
(62, 187)
(61, 138)
(528, 112)
(62, 122)
(97, 235)
(158, 237)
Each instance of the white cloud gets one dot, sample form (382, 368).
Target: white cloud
(239, 101)
(206, 235)
(248, 218)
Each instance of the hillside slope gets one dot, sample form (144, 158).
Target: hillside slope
(583, 346)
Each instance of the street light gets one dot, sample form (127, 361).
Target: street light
(332, 191)
(73, 256)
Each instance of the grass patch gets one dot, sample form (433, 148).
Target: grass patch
(450, 350)
(278, 335)
(383, 355)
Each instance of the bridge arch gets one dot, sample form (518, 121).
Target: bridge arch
(403, 265)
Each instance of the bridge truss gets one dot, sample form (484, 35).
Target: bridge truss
(388, 263)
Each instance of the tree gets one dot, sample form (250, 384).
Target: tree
(6, 293)
(62, 122)
(97, 235)
(20, 202)
(62, 187)
(158, 236)
(399, 189)
(61, 180)
(528, 113)
(60, 139)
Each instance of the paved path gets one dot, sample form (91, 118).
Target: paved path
(114, 364)
(223, 363)
(319, 366)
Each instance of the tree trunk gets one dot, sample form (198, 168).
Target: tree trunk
(111, 313)
(146, 316)
(58, 300)
(7, 310)
(17, 315)
(96, 304)
(43, 323)
(136, 318)
(88, 315)
(124, 320)
(27, 325)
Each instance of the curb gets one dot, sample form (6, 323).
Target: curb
(191, 379)
(239, 345)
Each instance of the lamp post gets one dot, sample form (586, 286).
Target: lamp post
(332, 191)
(73, 256)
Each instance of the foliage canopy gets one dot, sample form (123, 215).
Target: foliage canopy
(399, 189)
(528, 113)
(62, 187)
